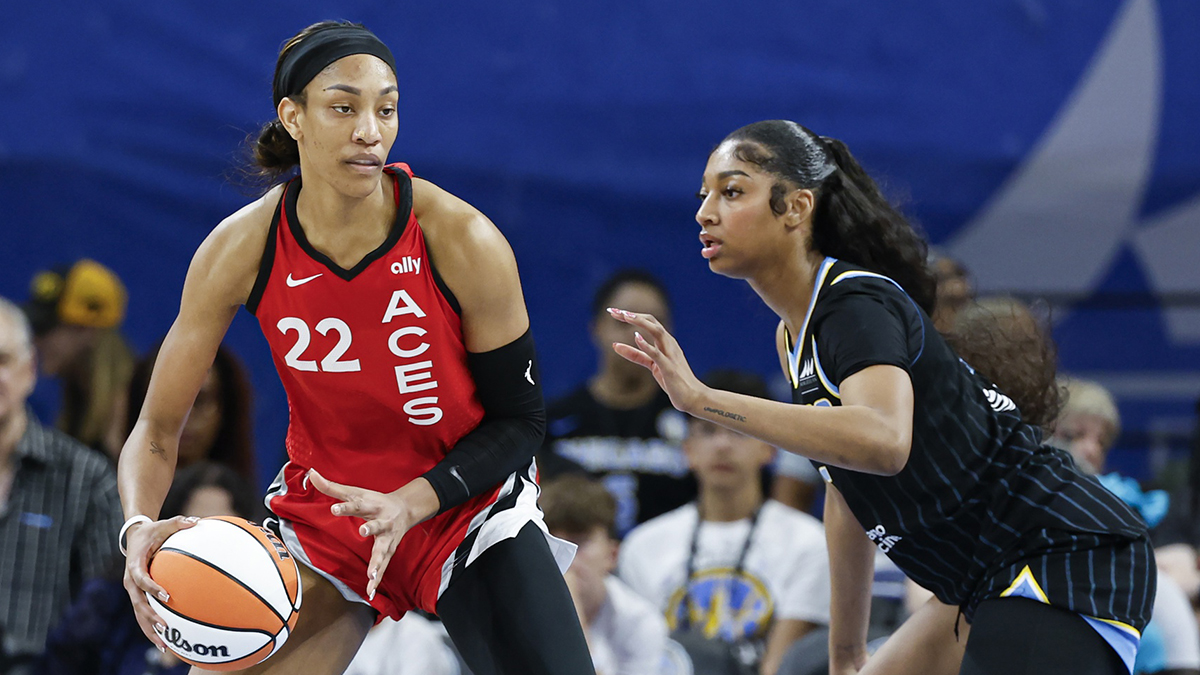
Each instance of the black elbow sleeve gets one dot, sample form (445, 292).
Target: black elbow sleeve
(509, 387)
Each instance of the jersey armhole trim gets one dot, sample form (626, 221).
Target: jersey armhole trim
(441, 284)
(437, 277)
(267, 261)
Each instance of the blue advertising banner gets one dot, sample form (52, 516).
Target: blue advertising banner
(1049, 145)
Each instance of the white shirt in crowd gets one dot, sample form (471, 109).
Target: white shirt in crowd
(413, 645)
(786, 570)
(629, 635)
(795, 466)
(1173, 614)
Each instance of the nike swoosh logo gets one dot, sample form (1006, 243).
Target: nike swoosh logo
(292, 283)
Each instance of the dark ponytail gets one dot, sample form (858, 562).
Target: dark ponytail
(274, 154)
(852, 220)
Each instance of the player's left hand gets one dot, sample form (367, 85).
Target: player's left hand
(657, 350)
(386, 517)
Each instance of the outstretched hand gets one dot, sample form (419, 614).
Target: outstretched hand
(386, 517)
(657, 350)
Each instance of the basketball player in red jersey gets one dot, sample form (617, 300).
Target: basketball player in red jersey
(395, 317)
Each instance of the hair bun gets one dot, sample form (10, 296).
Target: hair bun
(275, 151)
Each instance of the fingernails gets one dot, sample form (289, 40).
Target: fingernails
(613, 310)
(370, 593)
(374, 574)
(162, 595)
(304, 483)
(161, 648)
(363, 531)
(191, 519)
(336, 509)
(159, 628)
(638, 336)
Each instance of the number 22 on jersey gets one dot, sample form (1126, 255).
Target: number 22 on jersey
(410, 377)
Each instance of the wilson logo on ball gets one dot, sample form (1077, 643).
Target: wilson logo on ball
(280, 549)
(173, 636)
(234, 593)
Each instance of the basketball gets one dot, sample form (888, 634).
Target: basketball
(234, 593)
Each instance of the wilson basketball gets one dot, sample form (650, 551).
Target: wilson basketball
(234, 593)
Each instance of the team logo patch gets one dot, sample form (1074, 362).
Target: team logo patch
(722, 605)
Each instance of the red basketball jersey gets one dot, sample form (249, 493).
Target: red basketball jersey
(375, 369)
(372, 358)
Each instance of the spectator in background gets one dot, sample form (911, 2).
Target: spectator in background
(796, 482)
(59, 509)
(626, 634)
(1177, 538)
(1002, 339)
(619, 426)
(1088, 427)
(99, 634)
(219, 427)
(413, 645)
(733, 567)
(75, 312)
(954, 291)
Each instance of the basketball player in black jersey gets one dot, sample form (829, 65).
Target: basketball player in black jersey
(926, 458)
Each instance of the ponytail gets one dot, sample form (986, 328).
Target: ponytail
(274, 153)
(854, 222)
(270, 157)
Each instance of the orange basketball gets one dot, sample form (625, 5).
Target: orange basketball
(234, 593)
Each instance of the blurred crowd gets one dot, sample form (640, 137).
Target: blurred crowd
(699, 550)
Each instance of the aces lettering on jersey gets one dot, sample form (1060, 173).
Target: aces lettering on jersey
(413, 376)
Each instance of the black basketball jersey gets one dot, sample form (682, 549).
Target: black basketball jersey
(982, 509)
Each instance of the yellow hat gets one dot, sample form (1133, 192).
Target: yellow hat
(84, 294)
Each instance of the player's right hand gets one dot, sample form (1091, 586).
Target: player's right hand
(142, 541)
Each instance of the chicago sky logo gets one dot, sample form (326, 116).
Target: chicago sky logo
(807, 371)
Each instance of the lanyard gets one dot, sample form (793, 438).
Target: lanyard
(685, 622)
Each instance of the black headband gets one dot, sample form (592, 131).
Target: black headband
(314, 53)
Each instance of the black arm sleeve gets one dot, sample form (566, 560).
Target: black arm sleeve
(509, 387)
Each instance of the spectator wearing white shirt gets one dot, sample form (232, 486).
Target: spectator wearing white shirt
(413, 645)
(626, 634)
(733, 566)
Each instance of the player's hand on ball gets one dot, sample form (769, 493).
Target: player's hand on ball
(657, 350)
(386, 517)
(142, 541)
